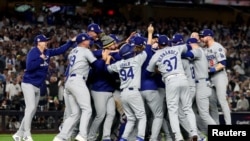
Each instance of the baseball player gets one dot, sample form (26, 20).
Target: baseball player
(168, 61)
(216, 57)
(203, 86)
(161, 89)
(129, 70)
(149, 89)
(36, 71)
(80, 59)
(202, 126)
(94, 31)
(102, 89)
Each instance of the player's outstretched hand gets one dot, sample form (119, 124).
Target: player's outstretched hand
(150, 29)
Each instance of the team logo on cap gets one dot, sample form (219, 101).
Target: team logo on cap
(83, 38)
(38, 40)
(92, 28)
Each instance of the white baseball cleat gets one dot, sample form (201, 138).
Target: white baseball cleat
(16, 137)
(80, 138)
(57, 139)
(28, 138)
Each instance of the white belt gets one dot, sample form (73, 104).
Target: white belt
(174, 75)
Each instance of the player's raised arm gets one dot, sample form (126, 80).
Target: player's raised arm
(62, 49)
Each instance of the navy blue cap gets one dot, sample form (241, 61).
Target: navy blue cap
(206, 32)
(95, 28)
(156, 35)
(126, 50)
(82, 37)
(117, 40)
(138, 40)
(163, 40)
(177, 38)
(40, 38)
(191, 41)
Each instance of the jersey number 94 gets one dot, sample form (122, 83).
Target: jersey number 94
(126, 73)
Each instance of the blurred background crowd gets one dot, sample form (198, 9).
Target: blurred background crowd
(18, 29)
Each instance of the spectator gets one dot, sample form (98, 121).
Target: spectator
(13, 89)
(242, 104)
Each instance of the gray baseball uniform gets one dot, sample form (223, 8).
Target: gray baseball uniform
(189, 72)
(215, 54)
(203, 87)
(77, 91)
(168, 61)
(130, 75)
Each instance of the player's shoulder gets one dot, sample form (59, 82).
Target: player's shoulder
(218, 45)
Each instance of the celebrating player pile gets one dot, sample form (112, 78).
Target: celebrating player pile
(150, 81)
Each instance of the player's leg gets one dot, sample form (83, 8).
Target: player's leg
(182, 117)
(166, 127)
(213, 106)
(155, 103)
(109, 119)
(31, 97)
(131, 119)
(82, 95)
(220, 81)
(203, 93)
(186, 101)
(71, 121)
(30, 92)
(172, 99)
(67, 112)
(137, 105)
(100, 102)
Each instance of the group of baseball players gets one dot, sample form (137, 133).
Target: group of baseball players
(153, 83)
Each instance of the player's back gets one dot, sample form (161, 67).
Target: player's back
(169, 60)
(200, 63)
(79, 59)
(130, 71)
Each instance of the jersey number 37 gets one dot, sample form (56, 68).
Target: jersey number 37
(126, 73)
(171, 63)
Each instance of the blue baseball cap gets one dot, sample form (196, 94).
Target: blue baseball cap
(117, 40)
(95, 28)
(126, 50)
(177, 38)
(206, 32)
(163, 40)
(40, 38)
(82, 37)
(191, 41)
(138, 40)
(156, 35)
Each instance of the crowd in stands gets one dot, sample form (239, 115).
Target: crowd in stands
(17, 33)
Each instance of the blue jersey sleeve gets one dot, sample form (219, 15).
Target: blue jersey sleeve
(61, 49)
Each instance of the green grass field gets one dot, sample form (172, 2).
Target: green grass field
(36, 137)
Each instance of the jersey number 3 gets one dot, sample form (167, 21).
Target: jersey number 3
(171, 63)
(126, 73)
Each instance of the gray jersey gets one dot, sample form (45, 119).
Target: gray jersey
(189, 71)
(215, 54)
(129, 70)
(79, 59)
(168, 61)
(200, 64)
